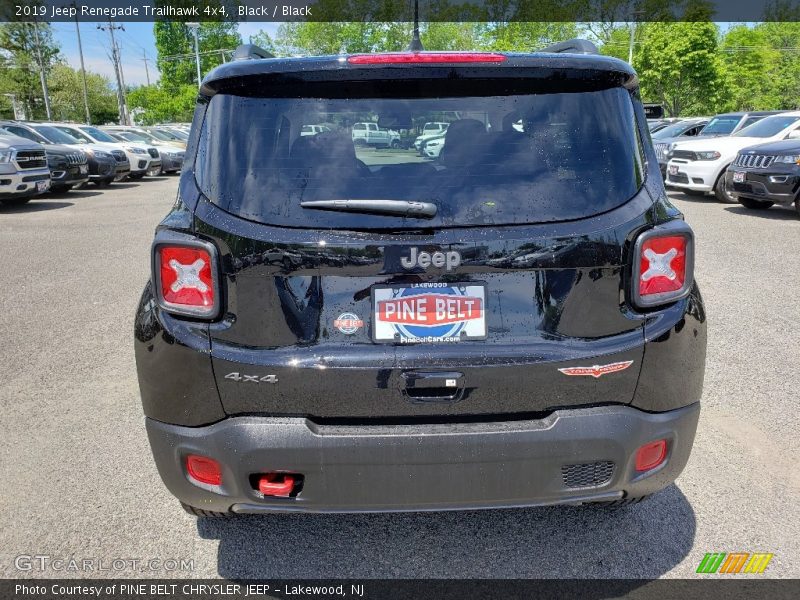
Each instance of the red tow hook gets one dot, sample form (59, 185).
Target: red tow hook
(276, 484)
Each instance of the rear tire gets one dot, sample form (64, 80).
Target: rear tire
(199, 512)
(15, 201)
(721, 191)
(136, 176)
(754, 204)
(395, 144)
(797, 207)
(60, 189)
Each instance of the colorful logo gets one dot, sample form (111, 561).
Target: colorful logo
(734, 562)
(417, 313)
(348, 323)
(597, 371)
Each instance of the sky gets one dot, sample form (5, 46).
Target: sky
(135, 43)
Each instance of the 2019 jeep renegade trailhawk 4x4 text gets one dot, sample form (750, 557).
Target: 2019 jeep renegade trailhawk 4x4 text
(333, 328)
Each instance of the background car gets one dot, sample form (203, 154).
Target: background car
(306, 130)
(698, 166)
(429, 131)
(169, 155)
(102, 164)
(68, 165)
(679, 131)
(767, 174)
(144, 158)
(122, 166)
(166, 135)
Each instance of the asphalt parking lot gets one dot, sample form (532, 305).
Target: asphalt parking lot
(79, 481)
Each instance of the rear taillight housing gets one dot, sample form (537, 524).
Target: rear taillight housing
(663, 265)
(185, 277)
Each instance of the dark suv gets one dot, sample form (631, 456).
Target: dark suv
(332, 327)
(767, 174)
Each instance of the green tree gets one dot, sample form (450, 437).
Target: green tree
(19, 63)
(783, 38)
(679, 66)
(66, 96)
(151, 104)
(525, 36)
(748, 63)
(175, 46)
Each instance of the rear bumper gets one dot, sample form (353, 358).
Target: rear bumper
(427, 467)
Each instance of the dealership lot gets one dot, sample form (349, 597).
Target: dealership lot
(79, 481)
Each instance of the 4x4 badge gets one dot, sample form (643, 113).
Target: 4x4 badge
(597, 371)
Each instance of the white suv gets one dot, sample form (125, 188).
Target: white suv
(698, 166)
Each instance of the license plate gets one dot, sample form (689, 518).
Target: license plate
(739, 176)
(429, 312)
(672, 169)
(42, 186)
(84, 169)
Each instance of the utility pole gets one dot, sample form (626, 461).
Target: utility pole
(42, 76)
(83, 70)
(115, 58)
(146, 70)
(630, 43)
(194, 27)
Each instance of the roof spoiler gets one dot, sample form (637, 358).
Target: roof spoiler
(575, 46)
(250, 51)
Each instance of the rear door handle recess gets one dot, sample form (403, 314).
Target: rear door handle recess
(433, 386)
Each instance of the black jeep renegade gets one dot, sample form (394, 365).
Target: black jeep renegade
(510, 320)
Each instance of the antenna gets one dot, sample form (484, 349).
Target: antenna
(416, 44)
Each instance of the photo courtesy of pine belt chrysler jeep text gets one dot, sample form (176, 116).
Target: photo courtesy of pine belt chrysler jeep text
(334, 326)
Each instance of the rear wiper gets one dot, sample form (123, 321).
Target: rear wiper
(401, 208)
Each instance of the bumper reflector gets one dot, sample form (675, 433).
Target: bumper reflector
(651, 455)
(203, 469)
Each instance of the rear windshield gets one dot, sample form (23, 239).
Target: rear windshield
(522, 157)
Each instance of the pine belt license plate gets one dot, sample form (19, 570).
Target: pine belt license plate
(429, 312)
(738, 176)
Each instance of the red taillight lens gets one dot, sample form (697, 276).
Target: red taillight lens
(651, 455)
(204, 469)
(663, 265)
(186, 279)
(426, 58)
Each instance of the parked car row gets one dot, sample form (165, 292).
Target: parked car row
(748, 157)
(37, 157)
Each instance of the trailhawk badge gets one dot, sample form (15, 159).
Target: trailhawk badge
(348, 323)
(597, 371)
